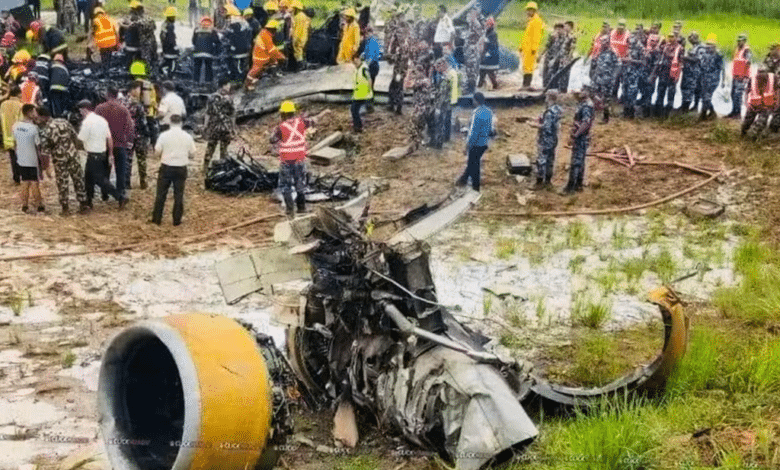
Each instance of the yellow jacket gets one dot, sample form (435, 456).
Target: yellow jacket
(350, 41)
(301, 23)
(529, 45)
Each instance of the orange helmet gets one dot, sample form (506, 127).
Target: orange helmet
(206, 20)
(35, 26)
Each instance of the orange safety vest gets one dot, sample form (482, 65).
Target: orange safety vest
(619, 43)
(595, 48)
(30, 92)
(264, 48)
(105, 34)
(740, 67)
(762, 99)
(676, 67)
(292, 147)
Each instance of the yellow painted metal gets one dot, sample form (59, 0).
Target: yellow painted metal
(235, 391)
(676, 335)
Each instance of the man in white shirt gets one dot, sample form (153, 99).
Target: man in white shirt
(175, 148)
(170, 104)
(95, 138)
(444, 32)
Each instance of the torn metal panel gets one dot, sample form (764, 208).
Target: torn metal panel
(257, 270)
(438, 220)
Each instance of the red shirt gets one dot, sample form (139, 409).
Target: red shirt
(120, 122)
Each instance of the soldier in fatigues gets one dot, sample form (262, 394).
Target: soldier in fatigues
(552, 54)
(68, 15)
(691, 72)
(146, 34)
(220, 123)
(441, 103)
(132, 101)
(472, 51)
(547, 141)
(421, 95)
(712, 72)
(58, 140)
(580, 139)
(604, 73)
(567, 55)
(772, 60)
(647, 75)
(632, 68)
(399, 52)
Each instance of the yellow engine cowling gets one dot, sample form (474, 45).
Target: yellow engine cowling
(185, 392)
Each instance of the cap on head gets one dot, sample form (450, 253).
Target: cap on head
(284, 4)
(621, 22)
(742, 37)
(272, 24)
(271, 5)
(206, 20)
(350, 13)
(21, 57)
(248, 12)
(297, 4)
(712, 39)
(98, 11)
(677, 24)
(9, 39)
(138, 68)
(531, 6)
(35, 26)
(135, 4)
(287, 107)
(59, 58)
(231, 10)
(170, 12)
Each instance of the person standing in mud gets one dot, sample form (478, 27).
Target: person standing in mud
(712, 74)
(481, 130)
(647, 75)
(472, 51)
(691, 72)
(547, 141)
(399, 53)
(422, 92)
(632, 68)
(605, 73)
(580, 139)
(567, 55)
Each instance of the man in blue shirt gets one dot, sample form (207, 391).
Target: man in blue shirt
(372, 53)
(482, 128)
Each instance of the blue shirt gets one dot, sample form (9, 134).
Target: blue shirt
(482, 127)
(373, 51)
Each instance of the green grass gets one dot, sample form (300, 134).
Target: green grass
(576, 263)
(756, 300)
(664, 265)
(505, 248)
(68, 359)
(634, 268)
(577, 234)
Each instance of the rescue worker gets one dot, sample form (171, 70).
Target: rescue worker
(130, 30)
(547, 140)
(691, 73)
(59, 140)
(31, 92)
(8, 44)
(41, 69)
(350, 37)
(454, 79)
(148, 98)
(618, 42)
(442, 85)
(132, 101)
(52, 40)
(267, 13)
(206, 47)
(740, 74)
(219, 126)
(712, 74)
(490, 55)
(481, 130)
(59, 81)
(399, 53)
(18, 66)
(254, 25)
(648, 74)
(283, 36)
(772, 59)
(472, 51)
(595, 46)
(289, 139)
(551, 54)
(220, 14)
(761, 103)
(10, 113)
(579, 140)
(170, 52)
(105, 34)
(264, 54)
(669, 71)
(300, 34)
(605, 73)
(362, 93)
(632, 68)
(239, 37)
(532, 38)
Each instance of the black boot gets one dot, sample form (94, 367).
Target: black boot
(606, 115)
(527, 79)
(288, 205)
(569, 189)
(685, 107)
(300, 203)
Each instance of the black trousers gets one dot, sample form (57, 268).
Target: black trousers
(201, 63)
(473, 167)
(96, 173)
(58, 101)
(167, 176)
(357, 123)
(14, 166)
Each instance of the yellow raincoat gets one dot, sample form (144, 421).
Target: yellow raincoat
(529, 46)
(301, 23)
(350, 41)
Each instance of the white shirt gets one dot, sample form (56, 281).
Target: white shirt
(171, 104)
(175, 146)
(94, 133)
(444, 30)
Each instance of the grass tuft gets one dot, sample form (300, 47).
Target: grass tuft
(505, 248)
(577, 234)
(593, 315)
(756, 300)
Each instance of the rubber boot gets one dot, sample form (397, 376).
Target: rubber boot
(288, 205)
(142, 182)
(300, 203)
(606, 115)
(703, 113)
(527, 80)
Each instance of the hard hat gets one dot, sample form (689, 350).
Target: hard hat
(284, 3)
(35, 26)
(59, 58)
(98, 11)
(271, 5)
(9, 39)
(287, 107)
(490, 22)
(138, 68)
(350, 13)
(272, 24)
(206, 19)
(29, 35)
(231, 10)
(297, 4)
(135, 4)
(531, 6)
(249, 12)
(170, 12)
(712, 38)
(21, 57)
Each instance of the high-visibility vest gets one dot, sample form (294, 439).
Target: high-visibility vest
(30, 91)
(676, 66)
(292, 147)
(264, 48)
(455, 90)
(741, 66)
(765, 98)
(105, 34)
(619, 43)
(363, 90)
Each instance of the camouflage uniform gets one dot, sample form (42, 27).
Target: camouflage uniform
(472, 53)
(739, 85)
(631, 72)
(422, 91)
(583, 118)
(552, 57)
(568, 46)
(399, 50)
(220, 111)
(667, 86)
(68, 15)
(547, 142)
(647, 78)
(604, 69)
(691, 75)
(58, 139)
(141, 142)
(145, 27)
(440, 106)
(772, 64)
(711, 68)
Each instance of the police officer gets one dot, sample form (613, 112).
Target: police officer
(580, 139)
(712, 74)
(691, 72)
(605, 69)
(632, 67)
(547, 140)
(740, 74)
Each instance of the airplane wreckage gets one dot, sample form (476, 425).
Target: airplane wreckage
(365, 332)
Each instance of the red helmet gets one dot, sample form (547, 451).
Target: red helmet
(35, 26)
(206, 19)
(490, 22)
(9, 40)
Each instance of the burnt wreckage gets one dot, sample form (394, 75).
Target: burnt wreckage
(370, 334)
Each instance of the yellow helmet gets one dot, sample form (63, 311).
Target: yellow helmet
(297, 4)
(135, 4)
(21, 57)
(271, 5)
(249, 12)
(170, 12)
(284, 3)
(531, 6)
(138, 68)
(287, 107)
(29, 35)
(350, 13)
(272, 24)
(231, 10)
(98, 11)
(712, 38)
